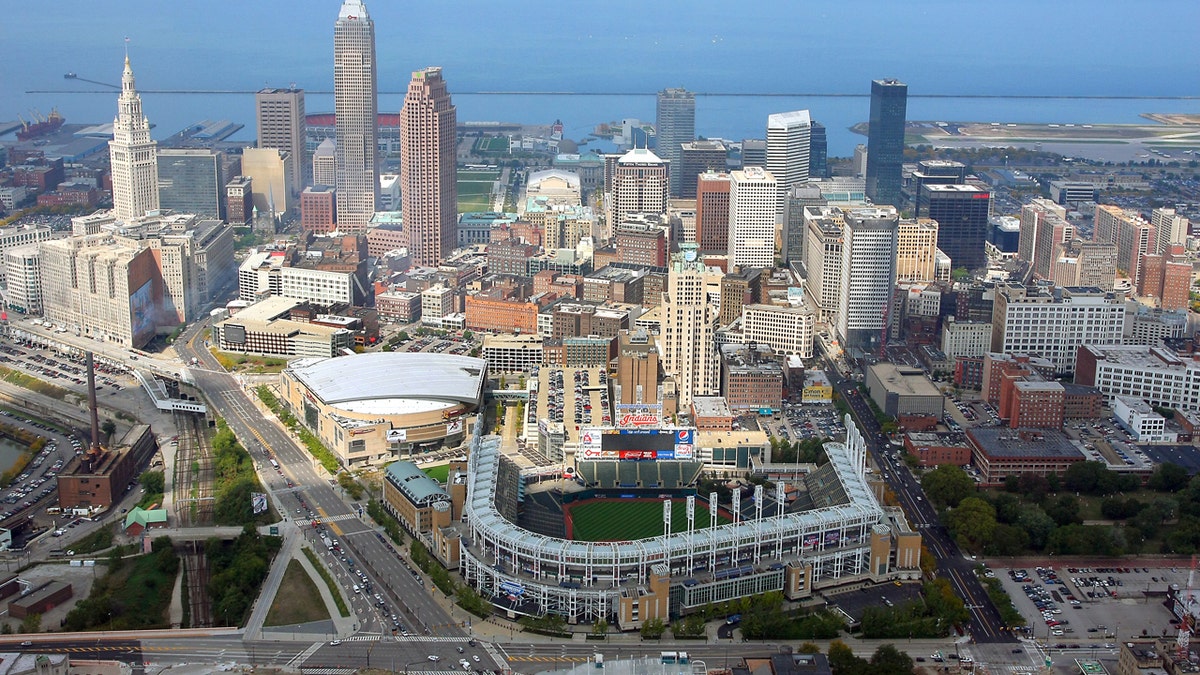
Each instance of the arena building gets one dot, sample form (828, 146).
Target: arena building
(830, 531)
(370, 408)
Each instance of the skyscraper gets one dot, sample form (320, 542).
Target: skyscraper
(686, 328)
(675, 123)
(712, 212)
(428, 174)
(753, 195)
(885, 141)
(132, 155)
(281, 126)
(868, 275)
(355, 106)
(696, 158)
(192, 180)
(639, 185)
(961, 212)
(324, 163)
(818, 152)
(788, 138)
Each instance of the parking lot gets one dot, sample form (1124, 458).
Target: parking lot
(1092, 606)
(449, 343)
(811, 420)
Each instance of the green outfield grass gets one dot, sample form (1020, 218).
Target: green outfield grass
(475, 190)
(440, 473)
(628, 519)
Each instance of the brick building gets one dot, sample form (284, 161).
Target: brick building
(318, 209)
(934, 448)
(1032, 404)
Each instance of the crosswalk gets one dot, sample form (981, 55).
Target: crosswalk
(303, 656)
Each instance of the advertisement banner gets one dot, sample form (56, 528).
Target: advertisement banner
(512, 588)
(258, 502)
(454, 427)
(682, 451)
(832, 538)
(638, 414)
(810, 540)
(397, 435)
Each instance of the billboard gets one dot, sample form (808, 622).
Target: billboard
(636, 444)
(454, 427)
(397, 435)
(258, 502)
(639, 414)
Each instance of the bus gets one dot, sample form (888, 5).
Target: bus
(274, 463)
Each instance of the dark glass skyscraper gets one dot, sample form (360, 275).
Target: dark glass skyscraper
(885, 141)
(961, 212)
(675, 124)
(818, 152)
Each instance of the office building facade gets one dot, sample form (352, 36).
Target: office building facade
(428, 173)
(961, 212)
(885, 141)
(191, 180)
(281, 126)
(868, 275)
(687, 327)
(753, 201)
(355, 97)
(675, 124)
(788, 137)
(712, 212)
(697, 157)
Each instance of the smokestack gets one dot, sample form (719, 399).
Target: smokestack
(95, 415)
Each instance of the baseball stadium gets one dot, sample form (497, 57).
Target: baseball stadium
(627, 538)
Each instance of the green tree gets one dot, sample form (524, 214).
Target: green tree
(1064, 510)
(960, 274)
(842, 660)
(32, 623)
(653, 629)
(947, 485)
(153, 481)
(108, 427)
(809, 648)
(1168, 477)
(600, 627)
(1036, 524)
(1007, 540)
(6, 629)
(887, 660)
(973, 523)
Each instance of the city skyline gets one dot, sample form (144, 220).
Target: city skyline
(684, 47)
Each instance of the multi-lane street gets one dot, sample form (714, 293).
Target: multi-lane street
(986, 625)
(301, 484)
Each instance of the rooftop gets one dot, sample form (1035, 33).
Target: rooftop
(904, 380)
(640, 156)
(393, 375)
(1000, 442)
(419, 488)
(710, 406)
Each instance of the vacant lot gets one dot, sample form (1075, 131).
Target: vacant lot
(298, 600)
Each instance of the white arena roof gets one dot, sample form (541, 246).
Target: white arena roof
(393, 375)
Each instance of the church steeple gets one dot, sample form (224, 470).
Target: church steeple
(127, 77)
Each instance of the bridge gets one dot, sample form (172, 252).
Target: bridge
(162, 400)
(507, 395)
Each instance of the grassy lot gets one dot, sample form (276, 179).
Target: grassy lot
(248, 363)
(627, 519)
(475, 190)
(492, 145)
(26, 381)
(134, 594)
(439, 473)
(298, 600)
(329, 583)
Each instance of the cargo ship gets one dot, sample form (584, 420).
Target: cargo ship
(40, 127)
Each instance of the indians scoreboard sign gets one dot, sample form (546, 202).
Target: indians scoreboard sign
(636, 444)
(639, 415)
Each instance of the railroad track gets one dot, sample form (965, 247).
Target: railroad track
(194, 471)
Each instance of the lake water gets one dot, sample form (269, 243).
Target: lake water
(1019, 47)
(10, 452)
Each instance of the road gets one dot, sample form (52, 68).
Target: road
(986, 625)
(301, 484)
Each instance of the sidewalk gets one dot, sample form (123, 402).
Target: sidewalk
(343, 625)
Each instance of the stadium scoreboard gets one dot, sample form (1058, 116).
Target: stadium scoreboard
(636, 444)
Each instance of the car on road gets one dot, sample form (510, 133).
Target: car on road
(434, 657)
(334, 643)
(27, 643)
